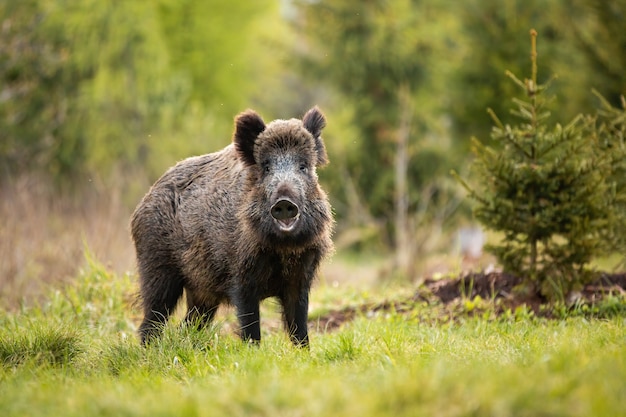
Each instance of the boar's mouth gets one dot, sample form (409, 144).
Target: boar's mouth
(286, 214)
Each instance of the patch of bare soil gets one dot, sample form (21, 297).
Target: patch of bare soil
(499, 287)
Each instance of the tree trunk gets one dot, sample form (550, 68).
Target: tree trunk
(403, 261)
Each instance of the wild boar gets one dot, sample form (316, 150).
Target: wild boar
(237, 226)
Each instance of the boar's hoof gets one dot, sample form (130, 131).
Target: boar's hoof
(286, 214)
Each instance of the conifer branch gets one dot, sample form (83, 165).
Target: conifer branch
(509, 136)
(495, 118)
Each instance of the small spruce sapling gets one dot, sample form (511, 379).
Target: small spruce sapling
(545, 189)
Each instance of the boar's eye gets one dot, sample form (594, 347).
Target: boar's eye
(266, 167)
(303, 168)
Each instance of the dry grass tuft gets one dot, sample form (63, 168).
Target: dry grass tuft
(43, 235)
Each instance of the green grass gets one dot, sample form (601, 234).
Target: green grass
(77, 355)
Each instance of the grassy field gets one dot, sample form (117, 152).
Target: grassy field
(77, 355)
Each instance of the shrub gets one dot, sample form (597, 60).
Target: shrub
(549, 189)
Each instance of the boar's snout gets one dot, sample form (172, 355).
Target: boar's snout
(286, 214)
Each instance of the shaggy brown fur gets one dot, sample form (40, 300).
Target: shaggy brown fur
(237, 226)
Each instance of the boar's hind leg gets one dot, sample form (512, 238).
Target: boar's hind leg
(199, 313)
(161, 288)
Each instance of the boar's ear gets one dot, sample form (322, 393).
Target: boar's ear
(314, 122)
(248, 126)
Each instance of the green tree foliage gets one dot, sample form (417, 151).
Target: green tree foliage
(380, 58)
(124, 85)
(583, 44)
(352, 54)
(84, 83)
(32, 86)
(221, 47)
(91, 87)
(492, 32)
(549, 190)
(599, 33)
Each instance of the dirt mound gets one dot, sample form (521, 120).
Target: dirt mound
(491, 285)
(497, 286)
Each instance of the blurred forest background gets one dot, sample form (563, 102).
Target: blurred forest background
(99, 97)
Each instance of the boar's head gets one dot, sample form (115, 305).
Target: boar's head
(283, 201)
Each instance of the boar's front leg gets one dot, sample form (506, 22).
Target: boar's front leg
(249, 319)
(296, 313)
(295, 297)
(295, 301)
